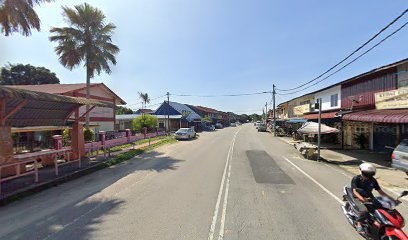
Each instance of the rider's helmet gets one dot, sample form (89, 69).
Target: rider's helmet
(367, 169)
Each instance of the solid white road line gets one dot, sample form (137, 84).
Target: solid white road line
(315, 181)
(217, 205)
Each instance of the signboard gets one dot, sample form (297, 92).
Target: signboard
(393, 99)
(302, 109)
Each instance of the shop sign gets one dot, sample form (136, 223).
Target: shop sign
(302, 109)
(392, 99)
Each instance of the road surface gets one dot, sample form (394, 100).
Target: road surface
(234, 183)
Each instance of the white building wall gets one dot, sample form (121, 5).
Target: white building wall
(326, 98)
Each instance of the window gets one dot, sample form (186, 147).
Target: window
(334, 100)
(304, 102)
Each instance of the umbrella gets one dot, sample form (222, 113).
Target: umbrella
(313, 128)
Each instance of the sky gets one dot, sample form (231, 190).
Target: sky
(217, 47)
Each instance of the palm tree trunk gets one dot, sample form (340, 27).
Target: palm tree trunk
(88, 94)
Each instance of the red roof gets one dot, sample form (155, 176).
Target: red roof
(324, 115)
(61, 88)
(206, 109)
(380, 116)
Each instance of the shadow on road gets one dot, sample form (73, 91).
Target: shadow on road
(72, 210)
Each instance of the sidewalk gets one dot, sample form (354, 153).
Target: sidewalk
(25, 185)
(351, 159)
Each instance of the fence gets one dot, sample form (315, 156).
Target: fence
(96, 147)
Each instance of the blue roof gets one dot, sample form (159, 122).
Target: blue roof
(177, 109)
(184, 110)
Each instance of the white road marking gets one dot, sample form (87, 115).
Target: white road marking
(221, 190)
(315, 181)
(224, 207)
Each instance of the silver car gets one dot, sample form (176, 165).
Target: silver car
(400, 156)
(185, 133)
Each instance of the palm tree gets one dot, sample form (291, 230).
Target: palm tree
(19, 16)
(87, 39)
(145, 99)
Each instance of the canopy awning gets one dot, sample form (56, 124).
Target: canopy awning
(324, 115)
(379, 116)
(313, 128)
(296, 121)
(24, 108)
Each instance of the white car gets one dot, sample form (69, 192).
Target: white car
(233, 125)
(185, 133)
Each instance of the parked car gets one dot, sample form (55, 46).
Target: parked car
(261, 128)
(233, 125)
(399, 156)
(185, 133)
(209, 128)
(219, 126)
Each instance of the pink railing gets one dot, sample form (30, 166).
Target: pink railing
(17, 167)
(97, 146)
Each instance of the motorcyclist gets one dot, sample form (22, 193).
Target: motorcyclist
(362, 186)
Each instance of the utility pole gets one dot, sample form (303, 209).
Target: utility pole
(266, 113)
(274, 110)
(319, 101)
(168, 112)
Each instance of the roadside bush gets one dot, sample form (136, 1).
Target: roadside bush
(89, 135)
(65, 137)
(148, 121)
(361, 140)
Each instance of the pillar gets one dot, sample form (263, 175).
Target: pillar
(102, 137)
(6, 145)
(6, 152)
(128, 134)
(57, 142)
(78, 142)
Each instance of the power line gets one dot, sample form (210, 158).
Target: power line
(348, 56)
(355, 59)
(224, 95)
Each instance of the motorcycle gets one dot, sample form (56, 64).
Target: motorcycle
(385, 223)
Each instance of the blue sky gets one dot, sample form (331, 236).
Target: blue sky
(222, 46)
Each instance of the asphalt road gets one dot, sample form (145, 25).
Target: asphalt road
(234, 183)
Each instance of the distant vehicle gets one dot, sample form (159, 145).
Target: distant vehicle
(233, 125)
(262, 128)
(209, 128)
(399, 156)
(219, 126)
(238, 123)
(257, 125)
(185, 133)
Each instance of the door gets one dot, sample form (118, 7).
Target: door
(384, 135)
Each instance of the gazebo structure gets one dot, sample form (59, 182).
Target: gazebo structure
(22, 108)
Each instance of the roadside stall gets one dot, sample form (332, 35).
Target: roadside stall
(21, 109)
(309, 131)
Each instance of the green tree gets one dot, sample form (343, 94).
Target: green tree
(123, 110)
(88, 40)
(19, 16)
(149, 121)
(255, 117)
(206, 119)
(20, 74)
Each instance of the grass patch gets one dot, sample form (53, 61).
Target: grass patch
(134, 152)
